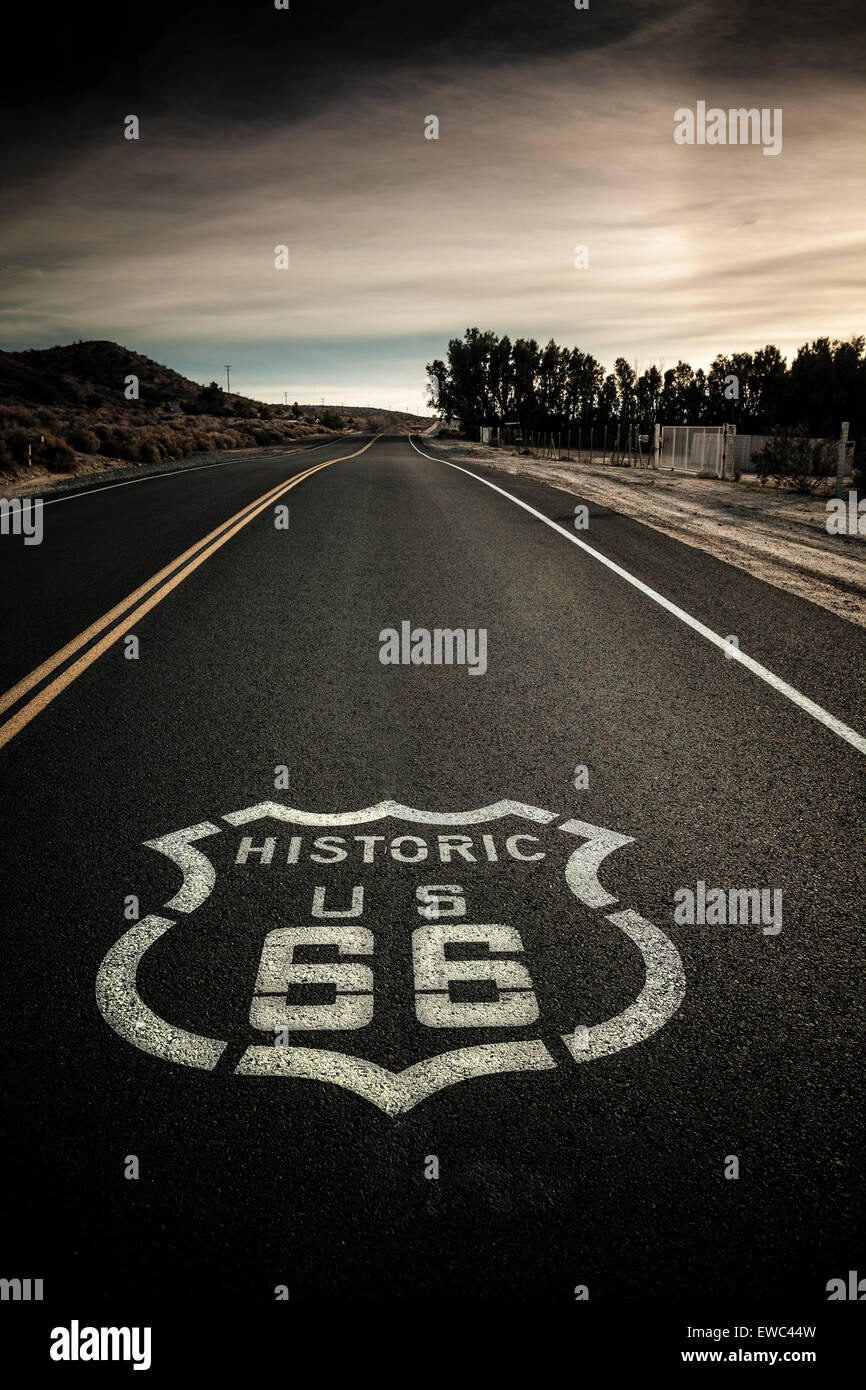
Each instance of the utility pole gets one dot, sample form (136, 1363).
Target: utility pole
(228, 378)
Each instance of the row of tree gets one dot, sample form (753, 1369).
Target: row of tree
(488, 380)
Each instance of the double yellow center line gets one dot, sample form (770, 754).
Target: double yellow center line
(157, 587)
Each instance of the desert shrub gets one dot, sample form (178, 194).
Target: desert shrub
(85, 440)
(793, 461)
(116, 446)
(162, 439)
(15, 442)
(25, 418)
(112, 441)
(127, 447)
(7, 458)
(332, 420)
(149, 451)
(55, 454)
(211, 400)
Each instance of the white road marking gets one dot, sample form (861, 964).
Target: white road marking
(125, 1011)
(383, 809)
(661, 996)
(515, 1005)
(796, 697)
(352, 981)
(581, 871)
(172, 473)
(395, 1093)
(199, 874)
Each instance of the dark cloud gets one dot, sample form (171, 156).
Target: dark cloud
(262, 126)
(241, 61)
(237, 58)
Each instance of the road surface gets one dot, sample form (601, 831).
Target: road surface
(559, 1115)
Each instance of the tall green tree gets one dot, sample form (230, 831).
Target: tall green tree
(488, 379)
(626, 385)
(649, 390)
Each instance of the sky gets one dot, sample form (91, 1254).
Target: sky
(305, 127)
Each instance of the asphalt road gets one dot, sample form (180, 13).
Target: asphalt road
(598, 1162)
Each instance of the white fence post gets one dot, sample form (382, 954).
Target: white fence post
(840, 462)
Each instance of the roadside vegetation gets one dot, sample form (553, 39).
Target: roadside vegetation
(553, 392)
(75, 398)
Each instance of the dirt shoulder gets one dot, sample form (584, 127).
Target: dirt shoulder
(778, 537)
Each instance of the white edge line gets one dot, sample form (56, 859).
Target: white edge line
(789, 691)
(173, 473)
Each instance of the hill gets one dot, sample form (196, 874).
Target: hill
(376, 418)
(72, 375)
(75, 398)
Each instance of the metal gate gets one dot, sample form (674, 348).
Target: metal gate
(693, 448)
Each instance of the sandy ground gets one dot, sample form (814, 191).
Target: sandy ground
(779, 537)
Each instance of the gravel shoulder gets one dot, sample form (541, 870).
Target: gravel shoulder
(778, 537)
